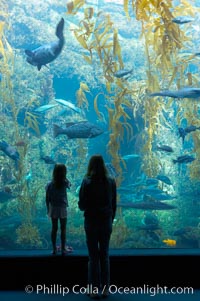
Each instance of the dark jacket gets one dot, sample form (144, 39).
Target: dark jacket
(97, 198)
(57, 197)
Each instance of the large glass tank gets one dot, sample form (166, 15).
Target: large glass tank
(130, 69)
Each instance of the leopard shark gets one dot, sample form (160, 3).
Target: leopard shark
(48, 52)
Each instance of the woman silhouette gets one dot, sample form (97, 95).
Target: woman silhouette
(97, 198)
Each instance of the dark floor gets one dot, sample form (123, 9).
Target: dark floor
(22, 296)
(129, 268)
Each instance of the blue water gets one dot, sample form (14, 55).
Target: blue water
(123, 110)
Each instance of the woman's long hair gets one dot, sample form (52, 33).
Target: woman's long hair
(96, 168)
(59, 175)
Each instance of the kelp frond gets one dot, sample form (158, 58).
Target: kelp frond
(81, 97)
(73, 6)
(96, 107)
(31, 121)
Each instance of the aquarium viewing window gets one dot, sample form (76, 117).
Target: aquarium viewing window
(125, 75)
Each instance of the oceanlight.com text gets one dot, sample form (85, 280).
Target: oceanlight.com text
(151, 290)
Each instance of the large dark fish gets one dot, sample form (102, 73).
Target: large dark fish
(6, 196)
(191, 128)
(82, 129)
(151, 181)
(48, 52)
(164, 179)
(184, 159)
(184, 131)
(148, 205)
(164, 197)
(165, 148)
(182, 93)
(48, 160)
(9, 150)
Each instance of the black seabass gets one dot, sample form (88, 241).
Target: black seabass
(49, 52)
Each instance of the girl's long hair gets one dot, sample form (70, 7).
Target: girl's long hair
(59, 175)
(96, 168)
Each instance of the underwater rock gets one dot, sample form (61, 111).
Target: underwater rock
(150, 222)
(182, 231)
(150, 227)
(150, 219)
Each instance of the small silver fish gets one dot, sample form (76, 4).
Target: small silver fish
(45, 108)
(182, 20)
(130, 156)
(122, 73)
(69, 105)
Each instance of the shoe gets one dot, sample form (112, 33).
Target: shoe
(65, 251)
(69, 248)
(58, 248)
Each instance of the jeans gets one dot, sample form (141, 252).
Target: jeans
(97, 238)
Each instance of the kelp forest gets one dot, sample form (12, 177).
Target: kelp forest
(131, 69)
